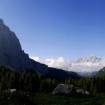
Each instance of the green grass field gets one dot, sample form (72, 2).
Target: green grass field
(22, 98)
(49, 99)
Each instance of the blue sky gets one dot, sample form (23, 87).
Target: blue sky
(53, 28)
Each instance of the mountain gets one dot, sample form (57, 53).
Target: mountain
(88, 74)
(60, 74)
(101, 72)
(92, 59)
(87, 66)
(12, 56)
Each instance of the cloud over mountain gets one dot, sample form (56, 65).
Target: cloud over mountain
(87, 64)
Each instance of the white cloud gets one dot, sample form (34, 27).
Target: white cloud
(35, 58)
(58, 63)
(68, 65)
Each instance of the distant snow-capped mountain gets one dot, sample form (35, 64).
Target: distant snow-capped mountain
(87, 61)
(92, 59)
(87, 66)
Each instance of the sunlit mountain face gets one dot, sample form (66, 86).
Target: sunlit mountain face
(87, 64)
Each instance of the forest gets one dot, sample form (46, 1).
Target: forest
(11, 79)
(33, 89)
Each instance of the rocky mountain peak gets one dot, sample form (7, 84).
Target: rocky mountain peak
(11, 53)
(1, 21)
(92, 59)
(9, 43)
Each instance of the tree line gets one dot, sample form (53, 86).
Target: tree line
(92, 84)
(31, 82)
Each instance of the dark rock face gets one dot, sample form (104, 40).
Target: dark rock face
(101, 72)
(60, 74)
(12, 55)
(70, 89)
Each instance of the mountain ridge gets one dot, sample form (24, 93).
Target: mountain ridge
(101, 72)
(12, 56)
(11, 53)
